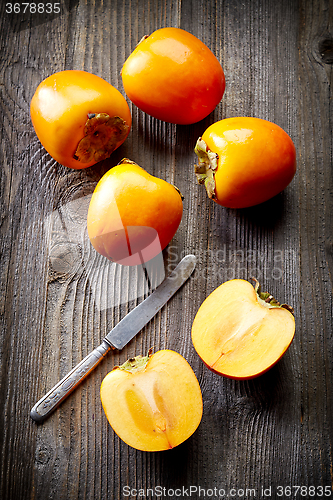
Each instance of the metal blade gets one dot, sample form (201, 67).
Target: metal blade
(134, 321)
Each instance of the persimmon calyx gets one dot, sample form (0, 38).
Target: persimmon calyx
(267, 300)
(126, 161)
(136, 364)
(142, 39)
(102, 134)
(206, 168)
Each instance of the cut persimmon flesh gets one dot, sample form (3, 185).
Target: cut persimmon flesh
(241, 332)
(153, 403)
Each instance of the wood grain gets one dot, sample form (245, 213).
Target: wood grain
(58, 299)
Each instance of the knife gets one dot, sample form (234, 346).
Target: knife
(117, 338)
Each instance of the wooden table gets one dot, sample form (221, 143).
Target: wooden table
(58, 300)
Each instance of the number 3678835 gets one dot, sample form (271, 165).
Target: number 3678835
(33, 8)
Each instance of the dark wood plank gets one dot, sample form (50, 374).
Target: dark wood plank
(315, 148)
(58, 299)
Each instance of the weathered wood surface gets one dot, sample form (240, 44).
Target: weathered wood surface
(272, 431)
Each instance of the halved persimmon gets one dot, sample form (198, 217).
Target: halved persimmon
(79, 118)
(133, 215)
(153, 403)
(241, 332)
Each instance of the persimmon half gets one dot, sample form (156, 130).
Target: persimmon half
(240, 332)
(244, 161)
(132, 215)
(79, 118)
(153, 403)
(173, 76)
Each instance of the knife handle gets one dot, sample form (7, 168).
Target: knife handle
(48, 403)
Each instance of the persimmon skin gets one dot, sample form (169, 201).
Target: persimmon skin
(239, 337)
(157, 407)
(133, 215)
(173, 76)
(60, 107)
(256, 160)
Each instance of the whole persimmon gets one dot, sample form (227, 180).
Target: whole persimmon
(153, 403)
(244, 161)
(173, 76)
(79, 118)
(132, 215)
(240, 332)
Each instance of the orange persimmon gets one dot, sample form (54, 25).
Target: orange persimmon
(133, 215)
(79, 118)
(244, 161)
(153, 403)
(240, 332)
(173, 76)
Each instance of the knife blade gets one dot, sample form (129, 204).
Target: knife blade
(117, 338)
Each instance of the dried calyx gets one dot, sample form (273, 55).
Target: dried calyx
(142, 39)
(136, 364)
(267, 300)
(102, 134)
(206, 168)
